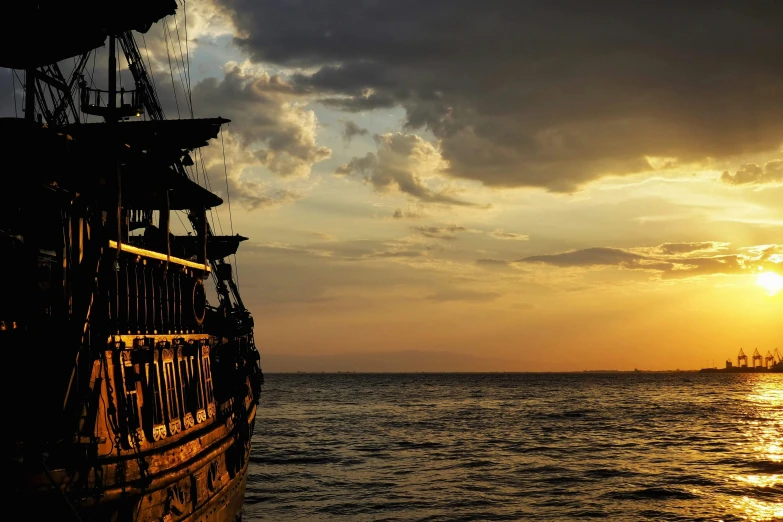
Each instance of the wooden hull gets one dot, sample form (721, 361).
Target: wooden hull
(207, 487)
(126, 468)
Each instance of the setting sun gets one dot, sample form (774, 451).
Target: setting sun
(770, 281)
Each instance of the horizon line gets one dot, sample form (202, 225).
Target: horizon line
(363, 372)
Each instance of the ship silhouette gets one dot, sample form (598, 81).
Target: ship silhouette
(130, 396)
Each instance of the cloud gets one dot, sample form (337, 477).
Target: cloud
(351, 129)
(497, 265)
(403, 162)
(590, 257)
(492, 263)
(753, 174)
(230, 180)
(448, 232)
(508, 236)
(266, 116)
(365, 250)
(270, 128)
(407, 214)
(361, 165)
(544, 94)
(397, 253)
(329, 248)
(766, 257)
(205, 20)
(286, 249)
(676, 263)
(685, 248)
(730, 264)
(462, 295)
(765, 252)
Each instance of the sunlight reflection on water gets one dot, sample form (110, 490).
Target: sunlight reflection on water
(761, 481)
(758, 510)
(764, 433)
(767, 433)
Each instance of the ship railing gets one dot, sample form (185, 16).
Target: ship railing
(127, 103)
(156, 293)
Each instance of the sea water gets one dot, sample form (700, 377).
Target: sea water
(619, 446)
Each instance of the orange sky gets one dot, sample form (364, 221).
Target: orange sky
(343, 294)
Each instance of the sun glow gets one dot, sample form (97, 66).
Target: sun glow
(770, 281)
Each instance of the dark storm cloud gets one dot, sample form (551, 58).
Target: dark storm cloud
(550, 94)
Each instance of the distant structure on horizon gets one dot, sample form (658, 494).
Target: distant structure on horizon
(772, 362)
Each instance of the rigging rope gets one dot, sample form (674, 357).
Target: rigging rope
(78, 100)
(149, 63)
(187, 52)
(187, 71)
(92, 82)
(177, 61)
(208, 185)
(225, 172)
(171, 69)
(116, 72)
(13, 89)
(54, 485)
(228, 196)
(195, 166)
(176, 213)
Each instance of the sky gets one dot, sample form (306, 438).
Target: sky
(508, 185)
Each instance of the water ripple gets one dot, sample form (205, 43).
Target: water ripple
(452, 447)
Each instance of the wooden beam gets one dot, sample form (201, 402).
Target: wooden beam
(157, 255)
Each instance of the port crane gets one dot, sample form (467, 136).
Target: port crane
(757, 357)
(777, 354)
(742, 358)
(769, 360)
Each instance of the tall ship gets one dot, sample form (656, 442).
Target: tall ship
(131, 376)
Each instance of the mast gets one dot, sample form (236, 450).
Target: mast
(110, 117)
(147, 97)
(29, 106)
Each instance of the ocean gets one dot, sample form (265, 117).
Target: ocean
(514, 446)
